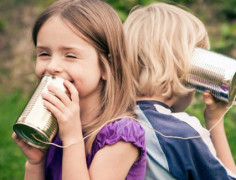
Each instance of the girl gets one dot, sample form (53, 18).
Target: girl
(82, 41)
(161, 39)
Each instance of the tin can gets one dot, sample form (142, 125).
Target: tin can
(214, 72)
(36, 124)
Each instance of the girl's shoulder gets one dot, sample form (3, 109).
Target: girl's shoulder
(124, 129)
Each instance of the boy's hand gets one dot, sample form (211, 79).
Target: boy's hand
(214, 111)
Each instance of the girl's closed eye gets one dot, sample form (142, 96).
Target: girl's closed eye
(72, 56)
(43, 54)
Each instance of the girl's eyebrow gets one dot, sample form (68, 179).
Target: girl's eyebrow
(78, 49)
(41, 48)
(69, 48)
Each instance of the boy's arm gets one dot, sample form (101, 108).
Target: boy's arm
(213, 113)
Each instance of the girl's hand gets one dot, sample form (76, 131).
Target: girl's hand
(214, 110)
(34, 156)
(66, 110)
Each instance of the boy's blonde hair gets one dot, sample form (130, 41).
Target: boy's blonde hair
(161, 39)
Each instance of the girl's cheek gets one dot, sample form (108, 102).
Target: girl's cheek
(40, 69)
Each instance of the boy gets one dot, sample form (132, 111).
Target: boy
(161, 39)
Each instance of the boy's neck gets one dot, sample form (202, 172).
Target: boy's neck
(169, 102)
(176, 103)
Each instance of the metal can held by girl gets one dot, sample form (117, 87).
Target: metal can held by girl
(36, 125)
(214, 72)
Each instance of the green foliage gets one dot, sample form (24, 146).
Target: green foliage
(227, 10)
(11, 158)
(20, 1)
(44, 3)
(2, 24)
(188, 2)
(225, 43)
(123, 7)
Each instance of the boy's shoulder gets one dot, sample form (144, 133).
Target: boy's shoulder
(160, 117)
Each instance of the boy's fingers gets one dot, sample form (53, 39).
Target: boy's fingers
(208, 98)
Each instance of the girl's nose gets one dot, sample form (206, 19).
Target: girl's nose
(54, 67)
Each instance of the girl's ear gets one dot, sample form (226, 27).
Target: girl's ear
(104, 72)
(104, 75)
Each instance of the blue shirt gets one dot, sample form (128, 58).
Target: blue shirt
(175, 158)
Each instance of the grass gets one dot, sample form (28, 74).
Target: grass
(11, 158)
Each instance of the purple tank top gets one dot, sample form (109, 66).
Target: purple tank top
(127, 130)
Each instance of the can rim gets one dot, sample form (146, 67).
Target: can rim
(28, 140)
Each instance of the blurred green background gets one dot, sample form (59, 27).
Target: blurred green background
(17, 79)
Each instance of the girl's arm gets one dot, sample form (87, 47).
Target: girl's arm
(34, 171)
(34, 166)
(213, 112)
(114, 162)
(111, 162)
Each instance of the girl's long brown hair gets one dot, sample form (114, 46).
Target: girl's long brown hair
(102, 28)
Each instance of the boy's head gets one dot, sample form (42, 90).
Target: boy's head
(161, 39)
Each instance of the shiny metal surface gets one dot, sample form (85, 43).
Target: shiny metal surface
(35, 120)
(214, 72)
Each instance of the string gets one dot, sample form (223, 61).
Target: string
(66, 146)
(144, 124)
(228, 108)
(192, 137)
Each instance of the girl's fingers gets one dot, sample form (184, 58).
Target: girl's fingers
(22, 145)
(15, 137)
(74, 94)
(53, 109)
(58, 102)
(59, 94)
(33, 155)
(53, 100)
